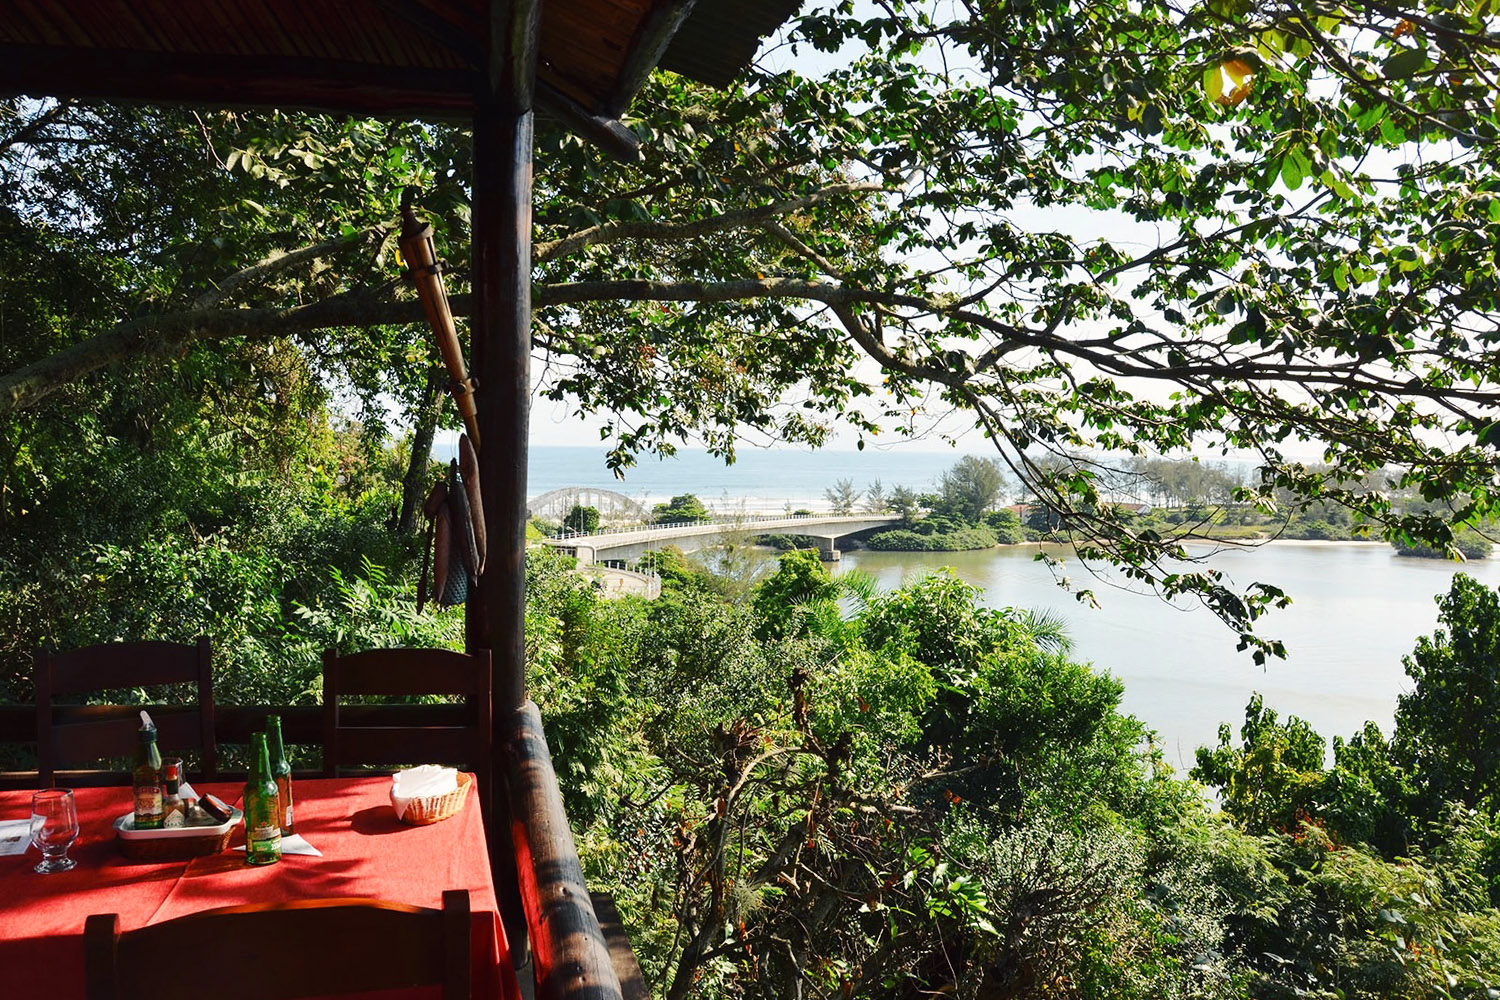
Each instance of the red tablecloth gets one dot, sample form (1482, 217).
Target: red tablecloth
(366, 853)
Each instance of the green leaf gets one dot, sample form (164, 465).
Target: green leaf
(1213, 83)
(1294, 169)
(1405, 64)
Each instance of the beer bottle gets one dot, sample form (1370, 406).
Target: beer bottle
(281, 770)
(147, 778)
(262, 831)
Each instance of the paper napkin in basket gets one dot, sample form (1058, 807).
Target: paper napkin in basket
(425, 782)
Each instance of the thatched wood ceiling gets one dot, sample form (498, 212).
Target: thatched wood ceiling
(423, 58)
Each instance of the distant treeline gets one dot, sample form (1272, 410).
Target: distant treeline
(975, 505)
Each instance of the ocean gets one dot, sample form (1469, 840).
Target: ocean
(759, 480)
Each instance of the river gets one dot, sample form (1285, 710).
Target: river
(1357, 609)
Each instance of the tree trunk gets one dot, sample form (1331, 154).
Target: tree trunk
(424, 427)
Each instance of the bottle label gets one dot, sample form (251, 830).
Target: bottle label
(148, 805)
(284, 802)
(174, 819)
(265, 839)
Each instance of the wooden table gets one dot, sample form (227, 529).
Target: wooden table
(366, 853)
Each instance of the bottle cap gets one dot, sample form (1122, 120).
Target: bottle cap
(215, 807)
(148, 728)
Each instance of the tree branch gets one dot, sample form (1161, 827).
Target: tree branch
(164, 334)
(586, 238)
(158, 336)
(277, 263)
(29, 131)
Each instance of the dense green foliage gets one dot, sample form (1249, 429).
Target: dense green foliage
(1448, 725)
(273, 571)
(913, 794)
(939, 536)
(1443, 753)
(957, 517)
(581, 518)
(971, 488)
(1470, 544)
(1006, 525)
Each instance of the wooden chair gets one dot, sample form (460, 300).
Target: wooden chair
(408, 672)
(280, 951)
(71, 735)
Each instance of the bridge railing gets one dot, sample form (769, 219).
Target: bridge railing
(566, 533)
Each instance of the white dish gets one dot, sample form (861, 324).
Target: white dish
(125, 828)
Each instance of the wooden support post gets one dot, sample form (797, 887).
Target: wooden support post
(501, 350)
(502, 363)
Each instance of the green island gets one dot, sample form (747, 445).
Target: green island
(1179, 499)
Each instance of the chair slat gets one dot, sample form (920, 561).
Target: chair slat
(392, 672)
(72, 735)
(123, 665)
(407, 745)
(87, 741)
(408, 672)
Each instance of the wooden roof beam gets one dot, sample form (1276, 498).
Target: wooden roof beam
(651, 41)
(605, 132)
(437, 28)
(291, 82)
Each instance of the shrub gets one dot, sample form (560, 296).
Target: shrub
(902, 540)
(1469, 543)
(1006, 526)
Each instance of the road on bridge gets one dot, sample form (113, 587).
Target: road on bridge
(632, 542)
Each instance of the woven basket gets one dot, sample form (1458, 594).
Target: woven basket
(174, 848)
(435, 808)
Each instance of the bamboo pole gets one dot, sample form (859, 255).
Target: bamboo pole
(421, 260)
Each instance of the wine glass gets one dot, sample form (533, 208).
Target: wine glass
(54, 827)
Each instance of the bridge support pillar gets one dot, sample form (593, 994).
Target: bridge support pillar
(827, 552)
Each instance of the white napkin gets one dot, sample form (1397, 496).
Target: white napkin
(294, 844)
(422, 782)
(15, 836)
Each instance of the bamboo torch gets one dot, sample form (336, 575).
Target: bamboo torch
(421, 259)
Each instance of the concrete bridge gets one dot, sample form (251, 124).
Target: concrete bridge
(630, 543)
(609, 503)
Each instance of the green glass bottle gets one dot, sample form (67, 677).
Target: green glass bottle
(281, 770)
(262, 830)
(146, 778)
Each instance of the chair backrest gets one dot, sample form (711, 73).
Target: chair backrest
(281, 951)
(69, 736)
(410, 672)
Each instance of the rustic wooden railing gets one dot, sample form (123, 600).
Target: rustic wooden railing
(568, 947)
